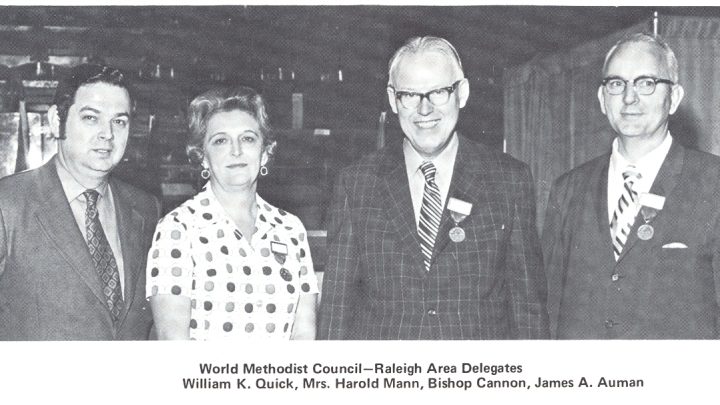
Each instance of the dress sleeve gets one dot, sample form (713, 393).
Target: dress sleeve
(308, 279)
(170, 265)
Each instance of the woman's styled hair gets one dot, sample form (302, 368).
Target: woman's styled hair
(223, 99)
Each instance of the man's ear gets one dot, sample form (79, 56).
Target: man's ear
(391, 99)
(54, 120)
(463, 91)
(601, 99)
(676, 95)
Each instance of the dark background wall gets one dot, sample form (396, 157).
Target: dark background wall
(241, 43)
(175, 52)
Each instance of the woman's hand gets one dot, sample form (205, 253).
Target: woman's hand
(304, 327)
(171, 314)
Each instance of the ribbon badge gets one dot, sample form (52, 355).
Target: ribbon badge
(459, 210)
(650, 206)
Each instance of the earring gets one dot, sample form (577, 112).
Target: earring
(205, 173)
(263, 171)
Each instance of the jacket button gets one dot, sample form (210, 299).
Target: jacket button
(431, 312)
(615, 277)
(609, 323)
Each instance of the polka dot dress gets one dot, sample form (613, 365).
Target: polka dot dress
(237, 289)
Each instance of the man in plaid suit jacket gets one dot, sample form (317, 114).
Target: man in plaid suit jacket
(487, 283)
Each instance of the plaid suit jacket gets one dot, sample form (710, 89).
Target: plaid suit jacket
(489, 286)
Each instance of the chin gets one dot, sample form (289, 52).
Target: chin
(103, 166)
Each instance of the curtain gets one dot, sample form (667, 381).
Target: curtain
(552, 117)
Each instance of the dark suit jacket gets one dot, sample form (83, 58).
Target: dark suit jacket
(489, 286)
(49, 289)
(652, 291)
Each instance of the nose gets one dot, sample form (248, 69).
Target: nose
(425, 107)
(630, 95)
(106, 131)
(236, 148)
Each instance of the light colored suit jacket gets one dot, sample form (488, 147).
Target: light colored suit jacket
(663, 288)
(489, 286)
(49, 289)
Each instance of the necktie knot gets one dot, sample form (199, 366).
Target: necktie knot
(428, 169)
(631, 174)
(630, 177)
(91, 197)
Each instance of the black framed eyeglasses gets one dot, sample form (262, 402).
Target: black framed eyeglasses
(437, 97)
(643, 85)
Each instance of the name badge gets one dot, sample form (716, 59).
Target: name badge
(459, 206)
(279, 248)
(652, 200)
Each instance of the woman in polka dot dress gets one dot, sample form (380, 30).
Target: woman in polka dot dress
(226, 264)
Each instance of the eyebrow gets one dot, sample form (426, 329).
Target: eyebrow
(87, 108)
(249, 131)
(635, 78)
(96, 111)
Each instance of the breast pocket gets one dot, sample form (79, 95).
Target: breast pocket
(478, 253)
(671, 258)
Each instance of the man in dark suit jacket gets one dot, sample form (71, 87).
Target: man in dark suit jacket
(434, 239)
(73, 240)
(632, 238)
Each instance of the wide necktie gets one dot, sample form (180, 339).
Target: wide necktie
(102, 256)
(625, 211)
(430, 213)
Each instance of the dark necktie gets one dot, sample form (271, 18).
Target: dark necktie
(430, 213)
(624, 214)
(102, 256)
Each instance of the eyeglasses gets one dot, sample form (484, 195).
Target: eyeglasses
(437, 97)
(643, 85)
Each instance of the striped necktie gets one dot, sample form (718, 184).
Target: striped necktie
(102, 256)
(625, 212)
(430, 213)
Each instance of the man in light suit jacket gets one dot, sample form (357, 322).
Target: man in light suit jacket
(73, 240)
(632, 238)
(434, 239)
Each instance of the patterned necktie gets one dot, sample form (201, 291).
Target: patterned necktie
(430, 213)
(102, 256)
(624, 215)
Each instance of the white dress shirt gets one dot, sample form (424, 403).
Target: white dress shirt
(648, 166)
(444, 164)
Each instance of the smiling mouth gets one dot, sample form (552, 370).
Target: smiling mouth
(426, 124)
(631, 113)
(102, 151)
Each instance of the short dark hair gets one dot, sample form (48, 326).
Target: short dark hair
(79, 76)
(222, 99)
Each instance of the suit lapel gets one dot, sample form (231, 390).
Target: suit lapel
(398, 202)
(56, 219)
(130, 226)
(465, 185)
(664, 184)
(601, 203)
(599, 191)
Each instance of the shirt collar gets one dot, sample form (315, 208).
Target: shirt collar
(72, 188)
(443, 162)
(649, 164)
(262, 221)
